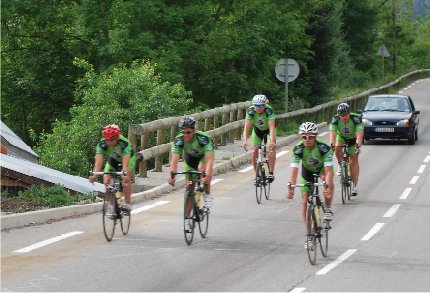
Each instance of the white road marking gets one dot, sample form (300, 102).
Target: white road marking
(373, 231)
(338, 261)
(215, 181)
(147, 207)
(405, 193)
(392, 211)
(298, 290)
(421, 169)
(246, 169)
(322, 134)
(414, 180)
(282, 153)
(427, 159)
(48, 241)
(400, 92)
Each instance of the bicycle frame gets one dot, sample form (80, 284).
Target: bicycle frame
(316, 227)
(345, 179)
(261, 172)
(193, 208)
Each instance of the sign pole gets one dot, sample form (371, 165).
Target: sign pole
(286, 85)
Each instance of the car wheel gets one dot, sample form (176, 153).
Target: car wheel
(411, 140)
(416, 135)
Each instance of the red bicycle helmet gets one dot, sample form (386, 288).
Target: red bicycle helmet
(111, 131)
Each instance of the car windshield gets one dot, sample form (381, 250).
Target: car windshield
(387, 104)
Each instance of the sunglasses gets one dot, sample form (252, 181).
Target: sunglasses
(111, 139)
(308, 137)
(259, 106)
(187, 131)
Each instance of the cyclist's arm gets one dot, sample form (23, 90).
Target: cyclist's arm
(359, 140)
(272, 131)
(248, 124)
(293, 175)
(209, 156)
(174, 163)
(333, 134)
(98, 164)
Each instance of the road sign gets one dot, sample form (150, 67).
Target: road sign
(382, 51)
(292, 70)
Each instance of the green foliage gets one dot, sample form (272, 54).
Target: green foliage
(125, 96)
(53, 196)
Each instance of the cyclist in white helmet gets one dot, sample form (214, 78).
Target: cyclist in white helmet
(347, 128)
(261, 117)
(316, 158)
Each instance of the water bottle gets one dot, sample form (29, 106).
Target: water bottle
(198, 197)
(119, 198)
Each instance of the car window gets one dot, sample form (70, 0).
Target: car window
(389, 104)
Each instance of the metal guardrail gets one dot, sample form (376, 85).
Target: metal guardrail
(224, 124)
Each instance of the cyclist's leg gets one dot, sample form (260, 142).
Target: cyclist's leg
(255, 141)
(355, 171)
(340, 141)
(304, 192)
(207, 187)
(128, 186)
(272, 156)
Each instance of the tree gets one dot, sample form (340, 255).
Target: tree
(126, 96)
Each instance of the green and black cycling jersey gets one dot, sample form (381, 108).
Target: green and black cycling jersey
(194, 151)
(313, 159)
(113, 155)
(348, 131)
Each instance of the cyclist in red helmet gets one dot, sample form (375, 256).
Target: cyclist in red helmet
(117, 153)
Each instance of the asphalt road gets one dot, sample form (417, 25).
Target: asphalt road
(379, 241)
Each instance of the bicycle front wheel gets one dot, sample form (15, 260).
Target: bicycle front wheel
(109, 216)
(311, 239)
(189, 216)
(322, 231)
(344, 183)
(125, 221)
(266, 183)
(259, 183)
(204, 221)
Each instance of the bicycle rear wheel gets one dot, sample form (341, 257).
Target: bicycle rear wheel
(258, 183)
(189, 216)
(311, 237)
(348, 181)
(109, 216)
(125, 221)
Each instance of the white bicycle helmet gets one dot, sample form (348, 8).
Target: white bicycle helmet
(343, 108)
(260, 100)
(308, 127)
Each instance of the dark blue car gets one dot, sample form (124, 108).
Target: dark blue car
(390, 116)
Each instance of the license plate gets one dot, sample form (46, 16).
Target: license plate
(384, 129)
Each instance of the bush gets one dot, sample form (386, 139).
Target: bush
(53, 196)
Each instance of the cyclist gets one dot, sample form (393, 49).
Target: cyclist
(198, 154)
(114, 150)
(316, 158)
(346, 127)
(261, 116)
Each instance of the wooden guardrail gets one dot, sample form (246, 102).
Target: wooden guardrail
(225, 124)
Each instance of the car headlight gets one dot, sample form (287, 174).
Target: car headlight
(403, 122)
(367, 122)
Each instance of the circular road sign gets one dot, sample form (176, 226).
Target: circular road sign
(292, 70)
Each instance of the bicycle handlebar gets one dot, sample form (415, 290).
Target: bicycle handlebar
(309, 184)
(202, 173)
(121, 173)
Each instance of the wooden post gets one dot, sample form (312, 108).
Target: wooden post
(133, 140)
(159, 159)
(231, 133)
(224, 122)
(173, 133)
(207, 124)
(216, 125)
(143, 166)
(239, 130)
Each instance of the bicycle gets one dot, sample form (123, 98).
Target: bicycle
(113, 211)
(345, 174)
(195, 210)
(317, 226)
(261, 171)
